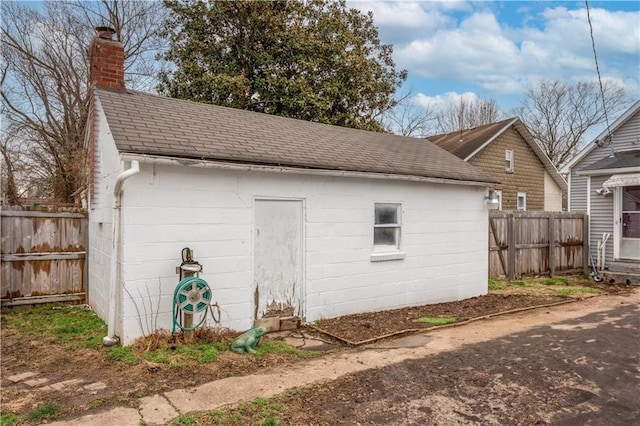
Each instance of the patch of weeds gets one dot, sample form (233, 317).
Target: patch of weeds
(123, 354)
(96, 403)
(266, 410)
(44, 412)
(495, 284)
(224, 417)
(185, 420)
(518, 283)
(157, 356)
(8, 419)
(209, 354)
(72, 325)
(187, 350)
(555, 281)
(201, 353)
(575, 290)
(260, 411)
(439, 320)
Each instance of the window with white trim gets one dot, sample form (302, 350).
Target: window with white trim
(386, 232)
(508, 160)
(521, 203)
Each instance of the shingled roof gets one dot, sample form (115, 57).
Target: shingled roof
(467, 143)
(621, 160)
(147, 124)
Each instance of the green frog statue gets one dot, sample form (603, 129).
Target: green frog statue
(248, 340)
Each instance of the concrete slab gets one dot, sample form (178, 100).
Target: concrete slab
(22, 376)
(95, 386)
(36, 382)
(156, 410)
(66, 384)
(121, 416)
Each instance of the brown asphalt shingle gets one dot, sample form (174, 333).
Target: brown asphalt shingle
(467, 141)
(148, 124)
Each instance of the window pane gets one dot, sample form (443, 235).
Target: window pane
(631, 199)
(386, 214)
(385, 236)
(521, 201)
(508, 157)
(631, 225)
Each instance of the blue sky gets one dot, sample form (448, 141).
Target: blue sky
(498, 49)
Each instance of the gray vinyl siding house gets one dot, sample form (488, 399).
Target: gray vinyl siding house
(604, 181)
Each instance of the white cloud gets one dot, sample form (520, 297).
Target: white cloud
(476, 51)
(460, 41)
(441, 102)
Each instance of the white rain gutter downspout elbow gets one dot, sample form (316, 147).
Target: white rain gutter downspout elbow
(110, 339)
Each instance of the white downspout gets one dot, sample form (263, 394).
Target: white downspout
(110, 339)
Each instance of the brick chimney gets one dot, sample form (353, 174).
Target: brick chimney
(107, 60)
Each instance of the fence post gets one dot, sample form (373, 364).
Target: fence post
(511, 247)
(552, 244)
(585, 244)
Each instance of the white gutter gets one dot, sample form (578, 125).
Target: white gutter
(173, 161)
(110, 339)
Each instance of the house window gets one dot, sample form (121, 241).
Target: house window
(508, 160)
(522, 201)
(386, 232)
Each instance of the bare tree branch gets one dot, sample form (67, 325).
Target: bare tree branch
(558, 114)
(466, 114)
(45, 90)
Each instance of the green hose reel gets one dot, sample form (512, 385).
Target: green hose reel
(192, 296)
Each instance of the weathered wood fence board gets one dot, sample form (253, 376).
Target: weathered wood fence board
(43, 256)
(528, 243)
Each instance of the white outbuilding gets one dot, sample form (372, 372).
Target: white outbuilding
(288, 218)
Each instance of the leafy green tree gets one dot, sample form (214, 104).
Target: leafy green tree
(314, 60)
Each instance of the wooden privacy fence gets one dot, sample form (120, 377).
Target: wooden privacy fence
(43, 256)
(528, 243)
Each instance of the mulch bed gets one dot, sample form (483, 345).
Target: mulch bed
(368, 327)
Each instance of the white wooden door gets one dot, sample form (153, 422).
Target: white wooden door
(278, 258)
(630, 233)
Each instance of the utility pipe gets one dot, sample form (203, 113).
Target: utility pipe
(110, 339)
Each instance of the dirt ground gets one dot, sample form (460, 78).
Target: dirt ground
(582, 371)
(125, 384)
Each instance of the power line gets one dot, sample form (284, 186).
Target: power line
(595, 57)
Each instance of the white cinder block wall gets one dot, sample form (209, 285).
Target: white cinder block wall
(108, 166)
(166, 208)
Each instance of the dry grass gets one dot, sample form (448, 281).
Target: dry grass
(163, 339)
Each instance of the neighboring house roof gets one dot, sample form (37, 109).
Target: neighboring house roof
(142, 123)
(467, 143)
(633, 109)
(622, 160)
